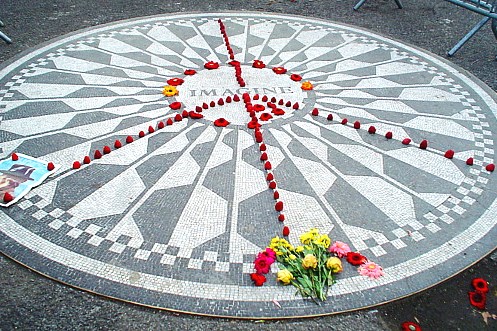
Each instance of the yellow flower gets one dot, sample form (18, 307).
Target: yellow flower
(306, 86)
(323, 240)
(299, 249)
(170, 91)
(314, 231)
(292, 257)
(284, 276)
(306, 238)
(309, 262)
(334, 264)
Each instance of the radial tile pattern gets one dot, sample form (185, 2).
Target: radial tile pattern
(174, 219)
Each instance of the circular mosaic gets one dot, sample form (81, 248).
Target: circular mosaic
(164, 201)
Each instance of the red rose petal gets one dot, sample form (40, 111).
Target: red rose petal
(106, 150)
(264, 98)
(205, 106)
(195, 115)
(279, 70)
(141, 134)
(255, 97)
(295, 106)
(281, 218)
(269, 177)
(406, 141)
(160, 125)
(281, 102)
(236, 98)
(423, 144)
(268, 165)
(198, 109)
(129, 140)
(15, 157)
(258, 107)
(265, 117)
(76, 165)
(117, 144)
(372, 130)
(262, 147)
(449, 154)
(410, 326)
(178, 117)
(272, 185)
(276, 194)
(480, 285)
(295, 77)
(344, 121)
(273, 99)
(389, 135)
(315, 112)
(97, 155)
(258, 137)
(86, 160)
(264, 156)
(151, 129)
(490, 167)
(258, 64)
(50, 166)
(330, 117)
(286, 231)
(278, 206)
(253, 124)
(7, 197)
(184, 114)
(175, 81)
(220, 101)
(288, 104)
(357, 125)
(477, 299)
(278, 111)
(175, 105)
(221, 122)
(228, 99)
(211, 65)
(470, 161)
(190, 72)
(212, 104)
(169, 121)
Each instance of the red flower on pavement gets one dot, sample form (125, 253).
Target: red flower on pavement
(258, 64)
(262, 264)
(258, 279)
(86, 160)
(175, 105)
(372, 129)
(7, 197)
(279, 71)
(278, 206)
(117, 144)
(389, 135)
(50, 166)
(480, 285)
(490, 167)
(357, 125)
(406, 141)
(477, 299)
(423, 144)
(295, 77)
(190, 72)
(211, 65)
(410, 326)
(330, 117)
(76, 165)
(281, 218)
(15, 157)
(267, 165)
(286, 231)
(356, 259)
(344, 121)
(269, 177)
(178, 117)
(175, 81)
(221, 122)
(470, 161)
(315, 112)
(278, 111)
(449, 154)
(195, 115)
(265, 117)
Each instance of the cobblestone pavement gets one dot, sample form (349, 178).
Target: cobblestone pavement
(471, 204)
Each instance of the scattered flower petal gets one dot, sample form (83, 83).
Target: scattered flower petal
(175, 105)
(449, 154)
(221, 122)
(372, 130)
(190, 72)
(175, 81)
(279, 71)
(295, 77)
(470, 161)
(211, 65)
(490, 167)
(258, 64)
(423, 144)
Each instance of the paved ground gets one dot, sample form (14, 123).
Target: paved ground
(425, 306)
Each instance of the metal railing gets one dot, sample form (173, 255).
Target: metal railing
(4, 36)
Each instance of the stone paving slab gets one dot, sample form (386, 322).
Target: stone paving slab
(175, 218)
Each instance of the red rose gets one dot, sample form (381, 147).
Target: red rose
(220, 101)
(410, 326)
(264, 156)
(272, 185)
(129, 140)
(97, 154)
(160, 125)
(389, 135)
(357, 125)
(178, 117)
(169, 121)
(470, 161)
(255, 97)
(264, 98)
(195, 115)
(86, 160)
(15, 157)
(205, 106)
(286, 231)
(258, 279)
(279, 71)
(315, 112)
(221, 122)
(228, 99)
(269, 177)
(423, 144)
(175, 81)
(278, 206)
(265, 117)
(344, 121)
(7, 197)
(330, 117)
(490, 167)
(258, 107)
(175, 105)
(190, 72)
(76, 165)
(150, 130)
(276, 194)
(477, 299)
(50, 166)
(406, 141)
(236, 98)
(281, 218)
(288, 104)
(106, 150)
(295, 106)
(295, 77)
(372, 129)
(258, 64)
(356, 259)
(117, 144)
(141, 134)
(267, 165)
(184, 114)
(449, 154)
(262, 147)
(480, 285)
(211, 65)
(212, 104)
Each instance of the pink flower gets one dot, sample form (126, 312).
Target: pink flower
(371, 269)
(339, 248)
(268, 254)
(262, 264)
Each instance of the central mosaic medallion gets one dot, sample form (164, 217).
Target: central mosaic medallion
(173, 208)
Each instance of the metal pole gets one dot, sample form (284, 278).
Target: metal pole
(470, 34)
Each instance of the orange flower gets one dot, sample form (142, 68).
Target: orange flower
(306, 86)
